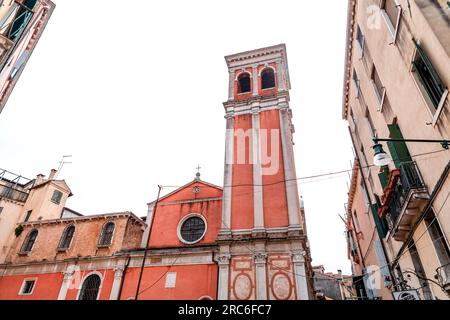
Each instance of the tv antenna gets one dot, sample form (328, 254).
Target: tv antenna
(62, 163)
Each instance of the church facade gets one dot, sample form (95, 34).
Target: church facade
(245, 240)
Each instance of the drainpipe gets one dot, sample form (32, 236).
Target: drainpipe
(368, 197)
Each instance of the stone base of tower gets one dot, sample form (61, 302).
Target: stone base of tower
(264, 269)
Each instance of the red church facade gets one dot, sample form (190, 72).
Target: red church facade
(243, 241)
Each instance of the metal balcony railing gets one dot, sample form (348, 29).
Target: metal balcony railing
(410, 180)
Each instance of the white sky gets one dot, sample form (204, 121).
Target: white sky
(135, 94)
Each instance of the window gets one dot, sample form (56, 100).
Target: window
(267, 78)
(430, 84)
(28, 215)
(29, 241)
(192, 229)
(378, 87)
(57, 195)
(27, 287)
(244, 83)
(371, 126)
(437, 237)
(67, 237)
(356, 82)
(1, 209)
(107, 234)
(391, 13)
(360, 40)
(357, 226)
(90, 288)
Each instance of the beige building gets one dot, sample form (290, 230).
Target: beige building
(21, 25)
(24, 200)
(397, 75)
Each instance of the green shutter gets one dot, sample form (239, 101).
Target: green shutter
(434, 75)
(381, 228)
(384, 176)
(398, 149)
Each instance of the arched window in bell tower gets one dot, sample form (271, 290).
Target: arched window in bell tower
(244, 83)
(267, 78)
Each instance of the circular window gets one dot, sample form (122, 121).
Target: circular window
(192, 229)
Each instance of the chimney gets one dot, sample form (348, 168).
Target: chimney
(39, 179)
(52, 174)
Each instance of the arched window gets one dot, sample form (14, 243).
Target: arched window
(267, 78)
(29, 241)
(244, 83)
(66, 237)
(90, 288)
(107, 234)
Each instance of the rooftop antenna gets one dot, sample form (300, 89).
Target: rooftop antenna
(62, 163)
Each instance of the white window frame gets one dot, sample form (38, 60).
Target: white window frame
(435, 113)
(22, 287)
(379, 97)
(84, 279)
(183, 220)
(393, 29)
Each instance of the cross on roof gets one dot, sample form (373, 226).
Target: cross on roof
(197, 175)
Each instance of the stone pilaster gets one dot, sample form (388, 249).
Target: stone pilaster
(224, 271)
(301, 280)
(228, 178)
(258, 206)
(261, 279)
(290, 175)
(68, 275)
(118, 275)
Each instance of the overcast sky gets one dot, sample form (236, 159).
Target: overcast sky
(135, 94)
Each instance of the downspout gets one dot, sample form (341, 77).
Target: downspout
(368, 197)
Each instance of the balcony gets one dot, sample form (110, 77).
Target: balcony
(443, 274)
(404, 199)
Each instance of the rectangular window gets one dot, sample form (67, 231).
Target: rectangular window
(27, 287)
(28, 215)
(378, 88)
(356, 82)
(360, 41)
(357, 226)
(437, 237)
(353, 122)
(391, 12)
(57, 195)
(429, 82)
(1, 209)
(370, 124)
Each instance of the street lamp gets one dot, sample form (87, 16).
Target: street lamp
(381, 158)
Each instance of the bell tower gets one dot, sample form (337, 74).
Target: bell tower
(264, 250)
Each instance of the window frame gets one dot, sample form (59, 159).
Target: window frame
(26, 241)
(435, 111)
(22, 287)
(265, 69)
(239, 84)
(183, 220)
(56, 191)
(379, 95)
(80, 288)
(99, 242)
(393, 29)
(63, 238)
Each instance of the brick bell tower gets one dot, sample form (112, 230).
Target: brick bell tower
(263, 248)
